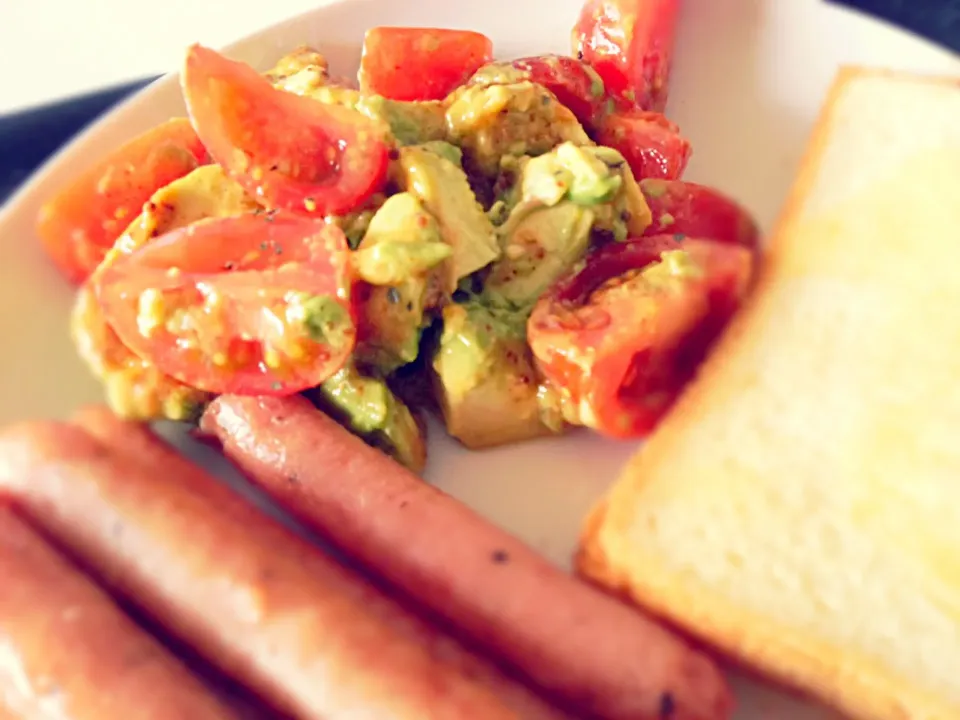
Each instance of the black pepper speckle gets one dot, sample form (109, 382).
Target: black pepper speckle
(667, 706)
(500, 557)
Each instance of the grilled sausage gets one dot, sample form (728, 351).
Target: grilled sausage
(567, 637)
(69, 652)
(253, 598)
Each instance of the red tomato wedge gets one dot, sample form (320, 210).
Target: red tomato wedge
(623, 333)
(630, 43)
(79, 224)
(252, 304)
(576, 84)
(403, 63)
(290, 152)
(690, 210)
(651, 144)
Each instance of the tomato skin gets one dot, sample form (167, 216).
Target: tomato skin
(409, 64)
(692, 210)
(290, 152)
(234, 279)
(623, 358)
(80, 224)
(651, 144)
(575, 84)
(630, 44)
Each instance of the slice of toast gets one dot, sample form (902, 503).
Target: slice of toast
(799, 508)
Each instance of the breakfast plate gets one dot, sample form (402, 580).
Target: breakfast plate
(749, 78)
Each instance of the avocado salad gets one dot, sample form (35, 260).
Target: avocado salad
(463, 246)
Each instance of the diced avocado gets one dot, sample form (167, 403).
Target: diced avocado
(300, 58)
(580, 173)
(540, 244)
(411, 123)
(399, 258)
(325, 320)
(484, 377)
(356, 223)
(368, 407)
(309, 83)
(544, 180)
(521, 118)
(588, 175)
(443, 190)
(445, 150)
(627, 214)
(204, 193)
(393, 261)
(401, 218)
(305, 72)
(593, 181)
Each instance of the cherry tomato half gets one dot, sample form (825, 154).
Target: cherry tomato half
(420, 63)
(80, 223)
(621, 335)
(651, 144)
(691, 210)
(251, 304)
(290, 152)
(575, 84)
(630, 43)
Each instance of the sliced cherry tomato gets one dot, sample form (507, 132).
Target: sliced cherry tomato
(403, 63)
(630, 43)
(251, 304)
(576, 84)
(621, 335)
(690, 210)
(290, 152)
(80, 223)
(652, 145)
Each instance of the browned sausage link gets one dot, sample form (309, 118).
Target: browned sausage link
(252, 597)
(69, 652)
(566, 636)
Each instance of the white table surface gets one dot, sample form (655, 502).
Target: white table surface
(56, 48)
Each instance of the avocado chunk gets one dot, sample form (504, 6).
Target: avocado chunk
(300, 58)
(556, 206)
(411, 123)
(366, 406)
(400, 260)
(540, 245)
(491, 121)
(204, 193)
(627, 214)
(445, 150)
(484, 377)
(443, 190)
(304, 71)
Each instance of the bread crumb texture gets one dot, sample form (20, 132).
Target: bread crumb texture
(800, 508)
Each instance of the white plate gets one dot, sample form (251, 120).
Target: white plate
(749, 79)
